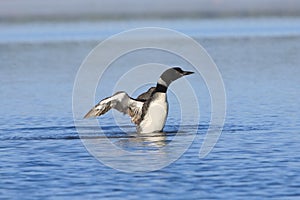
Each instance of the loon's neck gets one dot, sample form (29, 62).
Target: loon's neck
(162, 85)
(161, 88)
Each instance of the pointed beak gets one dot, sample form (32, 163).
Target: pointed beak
(187, 73)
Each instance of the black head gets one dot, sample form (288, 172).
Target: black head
(173, 74)
(181, 72)
(169, 76)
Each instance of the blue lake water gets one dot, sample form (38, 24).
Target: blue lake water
(257, 155)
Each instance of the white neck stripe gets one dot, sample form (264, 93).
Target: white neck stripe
(162, 82)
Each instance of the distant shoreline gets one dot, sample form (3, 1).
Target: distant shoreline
(19, 10)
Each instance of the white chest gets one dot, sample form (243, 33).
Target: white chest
(156, 115)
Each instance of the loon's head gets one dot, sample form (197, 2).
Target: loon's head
(171, 75)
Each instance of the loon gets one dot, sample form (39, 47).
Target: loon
(149, 110)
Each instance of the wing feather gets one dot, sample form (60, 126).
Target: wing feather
(146, 95)
(121, 102)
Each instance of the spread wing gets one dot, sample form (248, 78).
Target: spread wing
(121, 102)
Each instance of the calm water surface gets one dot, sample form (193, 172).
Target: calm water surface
(257, 156)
